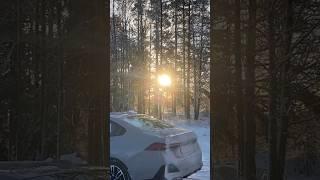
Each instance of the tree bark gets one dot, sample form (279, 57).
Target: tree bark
(188, 63)
(61, 79)
(273, 95)
(43, 67)
(250, 123)
(285, 97)
(238, 84)
(174, 93)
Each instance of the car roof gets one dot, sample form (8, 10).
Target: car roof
(118, 115)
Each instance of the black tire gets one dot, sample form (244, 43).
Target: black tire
(118, 171)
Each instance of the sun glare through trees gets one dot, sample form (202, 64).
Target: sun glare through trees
(164, 80)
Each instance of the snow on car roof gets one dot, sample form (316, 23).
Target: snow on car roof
(123, 114)
(118, 115)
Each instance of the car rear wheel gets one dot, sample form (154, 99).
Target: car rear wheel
(118, 171)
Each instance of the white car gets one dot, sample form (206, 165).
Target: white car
(144, 148)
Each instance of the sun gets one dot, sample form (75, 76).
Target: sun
(164, 80)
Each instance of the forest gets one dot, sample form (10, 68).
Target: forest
(252, 66)
(257, 62)
(54, 79)
(265, 86)
(150, 38)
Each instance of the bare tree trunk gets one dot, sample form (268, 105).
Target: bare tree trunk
(43, 80)
(198, 82)
(238, 84)
(189, 63)
(61, 78)
(184, 57)
(157, 65)
(103, 64)
(142, 59)
(149, 69)
(250, 123)
(286, 81)
(115, 99)
(161, 57)
(14, 123)
(273, 166)
(161, 38)
(37, 61)
(195, 81)
(174, 93)
(213, 121)
(195, 66)
(280, 135)
(199, 64)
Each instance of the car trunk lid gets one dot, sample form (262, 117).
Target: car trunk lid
(180, 141)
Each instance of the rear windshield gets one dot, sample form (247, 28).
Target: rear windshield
(147, 122)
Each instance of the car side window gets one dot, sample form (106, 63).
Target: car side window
(116, 129)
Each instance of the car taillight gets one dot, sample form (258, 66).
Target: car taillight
(156, 147)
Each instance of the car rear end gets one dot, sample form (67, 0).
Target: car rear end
(172, 153)
(182, 154)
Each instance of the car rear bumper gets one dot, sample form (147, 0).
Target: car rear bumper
(192, 172)
(161, 174)
(187, 166)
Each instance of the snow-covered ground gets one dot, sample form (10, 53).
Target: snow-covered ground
(202, 129)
